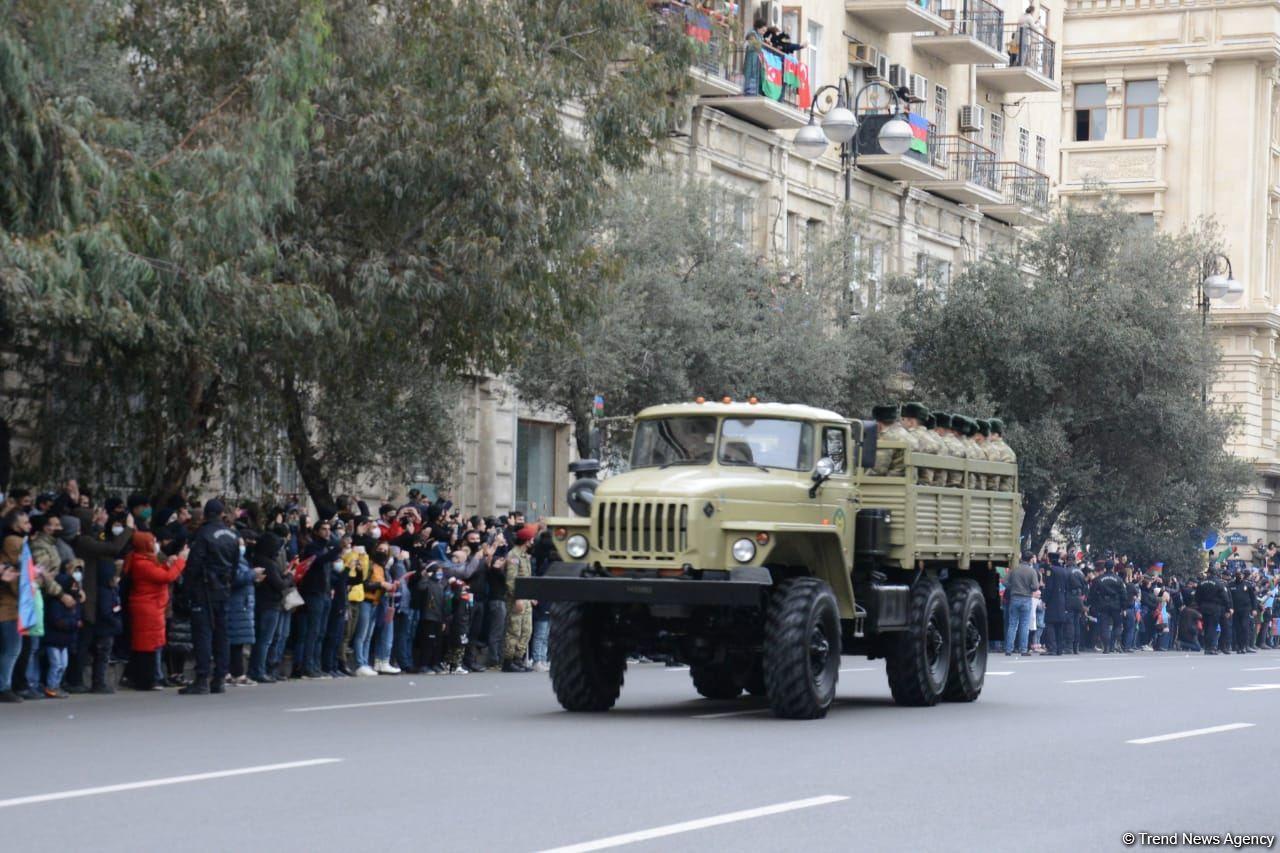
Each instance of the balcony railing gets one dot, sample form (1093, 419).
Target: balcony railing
(771, 74)
(1029, 48)
(711, 34)
(966, 160)
(922, 148)
(1022, 185)
(977, 19)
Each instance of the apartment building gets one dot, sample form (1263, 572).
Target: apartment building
(1173, 105)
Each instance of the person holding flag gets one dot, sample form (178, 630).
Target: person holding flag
(21, 604)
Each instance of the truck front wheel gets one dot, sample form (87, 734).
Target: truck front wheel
(802, 649)
(586, 668)
(919, 659)
(968, 641)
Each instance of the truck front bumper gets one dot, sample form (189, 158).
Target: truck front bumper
(742, 587)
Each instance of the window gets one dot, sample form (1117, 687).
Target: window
(731, 219)
(940, 108)
(812, 246)
(835, 443)
(1040, 153)
(1141, 114)
(866, 290)
(535, 468)
(1091, 112)
(997, 134)
(1024, 146)
(933, 274)
(673, 441)
(814, 53)
(770, 442)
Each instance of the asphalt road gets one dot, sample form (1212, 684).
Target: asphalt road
(1043, 761)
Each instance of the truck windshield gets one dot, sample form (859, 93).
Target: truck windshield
(674, 441)
(767, 442)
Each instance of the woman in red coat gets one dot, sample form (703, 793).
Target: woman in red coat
(149, 578)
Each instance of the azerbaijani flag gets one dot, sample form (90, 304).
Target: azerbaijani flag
(919, 127)
(771, 84)
(697, 26)
(796, 75)
(30, 601)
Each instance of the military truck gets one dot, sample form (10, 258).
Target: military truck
(750, 541)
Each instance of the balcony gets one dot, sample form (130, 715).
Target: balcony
(712, 37)
(1024, 195)
(1029, 69)
(969, 171)
(973, 36)
(900, 16)
(916, 164)
(772, 90)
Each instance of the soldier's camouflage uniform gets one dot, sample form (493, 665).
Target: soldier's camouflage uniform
(1001, 452)
(519, 625)
(891, 462)
(924, 441)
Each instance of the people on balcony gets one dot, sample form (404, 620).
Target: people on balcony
(753, 57)
(1018, 46)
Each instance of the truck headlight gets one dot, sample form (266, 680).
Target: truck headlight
(744, 550)
(577, 546)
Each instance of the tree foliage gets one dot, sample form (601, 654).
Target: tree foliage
(1091, 349)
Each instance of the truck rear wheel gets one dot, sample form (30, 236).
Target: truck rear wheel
(968, 641)
(586, 669)
(715, 681)
(920, 658)
(802, 649)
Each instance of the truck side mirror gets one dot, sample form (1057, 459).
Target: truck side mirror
(821, 473)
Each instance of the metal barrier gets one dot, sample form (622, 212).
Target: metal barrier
(966, 160)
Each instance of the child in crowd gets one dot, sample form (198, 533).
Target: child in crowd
(61, 628)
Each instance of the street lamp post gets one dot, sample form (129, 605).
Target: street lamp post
(840, 125)
(1214, 284)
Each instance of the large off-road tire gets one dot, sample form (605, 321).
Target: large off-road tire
(802, 649)
(919, 659)
(968, 641)
(716, 680)
(586, 669)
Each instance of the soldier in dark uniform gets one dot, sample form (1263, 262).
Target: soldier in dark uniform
(1106, 600)
(1242, 603)
(1214, 604)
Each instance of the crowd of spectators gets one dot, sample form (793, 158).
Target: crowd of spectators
(1058, 604)
(95, 595)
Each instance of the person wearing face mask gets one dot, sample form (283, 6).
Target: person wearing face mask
(240, 607)
(99, 549)
(150, 573)
(61, 624)
(214, 556)
(429, 590)
(139, 506)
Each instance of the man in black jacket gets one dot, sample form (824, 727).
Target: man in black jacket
(316, 589)
(1243, 600)
(1106, 600)
(1215, 607)
(268, 601)
(214, 557)
(1077, 589)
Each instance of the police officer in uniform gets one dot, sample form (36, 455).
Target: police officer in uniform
(1242, 600)
(214, 557)
(1215, 606)
(1077, 590)
(1057, 616)
(1106, 600)
(922, 440)
(890, 462)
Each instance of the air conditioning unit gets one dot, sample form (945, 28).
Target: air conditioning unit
(863, 56)
(899, 76)
(973, 118)
(771, 11)
(880, 70)
(919, 89)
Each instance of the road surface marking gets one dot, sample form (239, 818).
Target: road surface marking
(730, 714)
(1109, 678)
(157, 783)
(691, 825)
(1003, 672)
(1252, 687)
(1260, 668)
(1212, 730)
(860, 669)
(386, 702)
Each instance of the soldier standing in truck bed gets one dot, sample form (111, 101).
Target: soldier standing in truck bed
(889, 461)
(988, 481)
(967, 428)
(922, 441)
(1000, 452)
(953, 446)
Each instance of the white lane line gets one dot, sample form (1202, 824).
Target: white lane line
(691, 825)
(1212, 730)
(1260, 668)
(860, 669)
(157, 783)
(729, 714)
(386, 702)
(1004, 672)
(1254, 687)
(1110, 678)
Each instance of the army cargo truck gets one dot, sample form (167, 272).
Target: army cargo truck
(751, 541)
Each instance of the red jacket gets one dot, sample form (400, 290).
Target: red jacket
(149, 581)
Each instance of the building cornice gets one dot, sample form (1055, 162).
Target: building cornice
(1097, 8)
(1260, 49)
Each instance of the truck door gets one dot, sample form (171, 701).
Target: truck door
(837, 493)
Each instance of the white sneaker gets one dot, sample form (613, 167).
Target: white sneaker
(391, 669)
(366, 670)
(541, 666)
(462, 670)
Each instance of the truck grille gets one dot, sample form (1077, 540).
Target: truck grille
(642, 530)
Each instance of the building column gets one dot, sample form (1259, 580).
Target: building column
(1199, 149)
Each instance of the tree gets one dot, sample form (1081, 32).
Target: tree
(680, 308)
(1089, 347)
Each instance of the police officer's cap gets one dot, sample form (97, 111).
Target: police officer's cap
(885, 414)
(983, 426)
(919, 411)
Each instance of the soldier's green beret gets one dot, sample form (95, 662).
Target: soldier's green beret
(983, 426)
(997, 426)
(915, 410)
(942, 419)
(885, 414)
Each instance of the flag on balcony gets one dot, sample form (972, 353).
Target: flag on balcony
(796, 75)
(697, 26)
(920, 128)
(771, 85)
